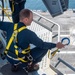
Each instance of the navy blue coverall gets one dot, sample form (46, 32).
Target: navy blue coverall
(18, 5)
(25, 38)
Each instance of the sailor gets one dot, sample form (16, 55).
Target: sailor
(19, 38)
(16, 6)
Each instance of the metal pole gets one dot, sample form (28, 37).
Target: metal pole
(66, 64)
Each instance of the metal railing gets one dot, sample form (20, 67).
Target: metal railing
(53, 24)
(65, 63)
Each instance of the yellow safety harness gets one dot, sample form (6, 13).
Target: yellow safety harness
(14, 39)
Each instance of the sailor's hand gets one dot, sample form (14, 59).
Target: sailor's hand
(59, 45)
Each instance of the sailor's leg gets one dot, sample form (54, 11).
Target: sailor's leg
(38, 54)
(16, 8)
(22, 5)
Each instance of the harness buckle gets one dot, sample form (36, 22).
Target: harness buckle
(30, 58)
(20, 50)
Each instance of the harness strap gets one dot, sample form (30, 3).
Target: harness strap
(12, 38)
(25, 51)
(12, 6)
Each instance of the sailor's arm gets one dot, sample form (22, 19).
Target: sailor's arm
(45, 45)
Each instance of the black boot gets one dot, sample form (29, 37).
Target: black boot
(14, 68)
(33, 67)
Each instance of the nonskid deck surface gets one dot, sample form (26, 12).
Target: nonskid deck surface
(6, 70)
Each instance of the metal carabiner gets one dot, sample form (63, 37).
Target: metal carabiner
(30, 58)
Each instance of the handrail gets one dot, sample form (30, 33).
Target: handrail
(67, 64)
(56, 70)
(50, 22)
